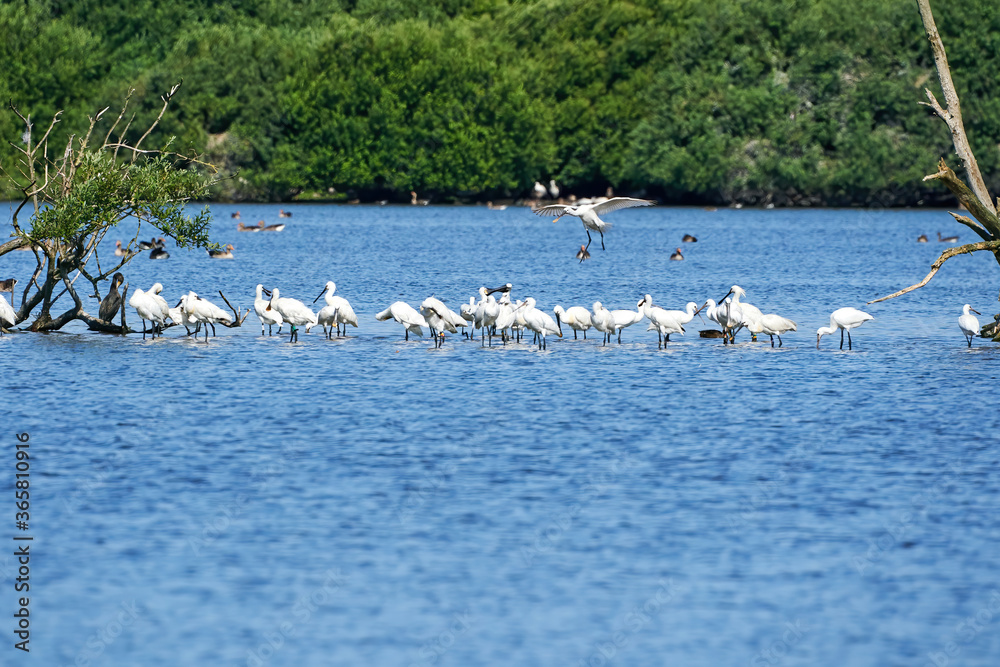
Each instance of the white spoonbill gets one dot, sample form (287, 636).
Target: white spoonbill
(772, 325)
(844, 319)
(337, 307)
(576, 318)
(603, 321)
(405, 314)
(178, 316)
(436, 314)
(626, 318)
(147, 309)
(154, 294)
(730, 313)
(203, 311)
(589, 214)
(664, 322)
(540, 322)
(966, 322)
(268, 316)
(468, 313)
(8, 318)
(294, 312)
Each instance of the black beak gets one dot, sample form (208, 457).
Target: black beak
(725, 297)
(502, 288)
(320, 294)
(266, 291)
(973, 310)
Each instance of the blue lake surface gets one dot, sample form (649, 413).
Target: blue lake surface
(371, 501)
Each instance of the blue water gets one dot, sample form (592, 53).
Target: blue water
(370, 501)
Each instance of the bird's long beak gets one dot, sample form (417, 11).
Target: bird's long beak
(266, 291)
(320, 294)
(502, 288)
(557, 219)
(973, 310)
(725, 297)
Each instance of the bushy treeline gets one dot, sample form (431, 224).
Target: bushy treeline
(712, 101)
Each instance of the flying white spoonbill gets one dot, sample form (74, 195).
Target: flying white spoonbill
(589, 214)
(844, 319)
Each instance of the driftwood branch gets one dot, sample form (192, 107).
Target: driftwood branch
(236, 311)
(952, 116)
(973, 225)
(945, 256)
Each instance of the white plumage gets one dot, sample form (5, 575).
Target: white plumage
(966, 322)
(589, 214)
(844, 319)
(405, 314)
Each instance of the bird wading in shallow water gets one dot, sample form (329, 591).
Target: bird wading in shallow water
(582, 254)
(589, 214)
(968, 323)
(844, 319)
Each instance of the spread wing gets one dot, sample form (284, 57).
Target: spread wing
(551, 209)
(616, 203)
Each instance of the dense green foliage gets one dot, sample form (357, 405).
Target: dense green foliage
(791, 101)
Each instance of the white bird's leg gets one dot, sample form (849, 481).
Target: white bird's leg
(407, 337)
(772, 339)
(584, 334)
(779, 340)
(850, 346)
(602, 240)
(841, 339)
(589, 240)
(213, 329)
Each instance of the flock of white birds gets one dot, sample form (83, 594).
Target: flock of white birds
(492, 317)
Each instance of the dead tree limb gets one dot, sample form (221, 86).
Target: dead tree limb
(945, 256)
(952, 115)
(236, 311)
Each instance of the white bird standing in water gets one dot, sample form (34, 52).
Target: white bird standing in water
(405, 314)
(267, 315)
(203, 311)
(294, 312)
(540, 322)
(338, 310)
(966, 322)
(603, 321)
(576, 318)
(589, 214)
(438, 320)
(147, 309)
(664, 322)
(772, 325)
(626, 318)
(730, 313)
(844, 319)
